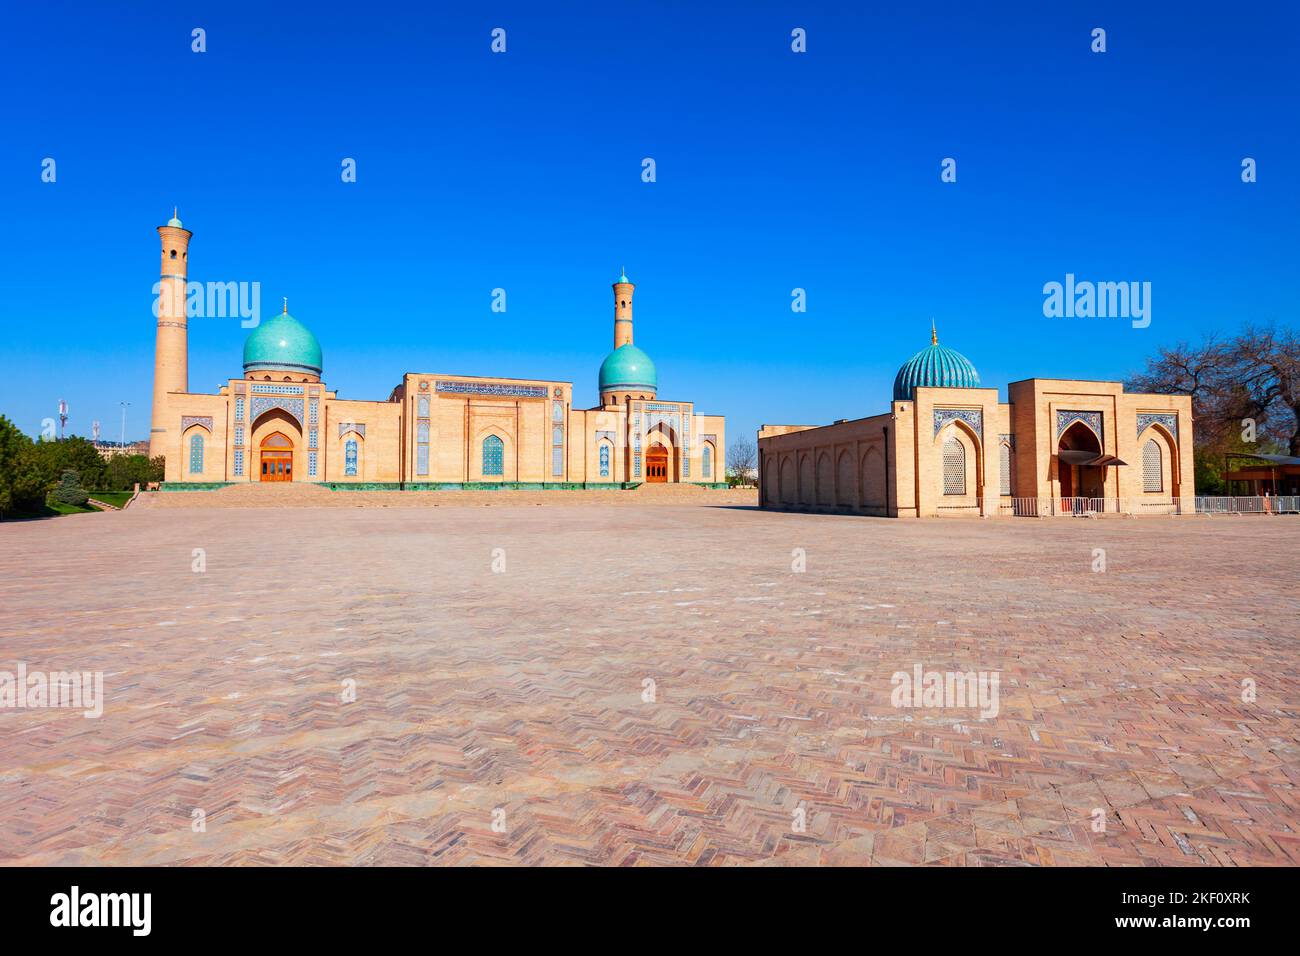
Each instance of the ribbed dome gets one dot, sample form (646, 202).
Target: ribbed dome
(282, 344)
(628, 367)
(936, 366)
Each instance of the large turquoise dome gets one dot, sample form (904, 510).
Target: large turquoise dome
(628, 367)
(936, 366)
(282, 344)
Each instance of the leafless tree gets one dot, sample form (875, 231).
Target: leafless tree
(742, 460)
(1254, 375)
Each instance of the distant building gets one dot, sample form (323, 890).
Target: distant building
(279, 421)
(111, 449)
(947, 446)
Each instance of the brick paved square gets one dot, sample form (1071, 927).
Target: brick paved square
(502, 717)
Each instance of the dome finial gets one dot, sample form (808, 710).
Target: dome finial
(286, 305)
(934, 336)
(623, 276)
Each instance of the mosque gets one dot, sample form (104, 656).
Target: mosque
(948, 447)
(279, 420)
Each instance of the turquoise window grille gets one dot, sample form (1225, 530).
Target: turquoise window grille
(350, 458)
(708, 462)
(604, 461)
(493, 456)
(196, 455)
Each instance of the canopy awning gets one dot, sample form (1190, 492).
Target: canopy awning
(1090, 458)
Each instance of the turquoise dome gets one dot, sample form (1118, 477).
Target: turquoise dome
(936, 366)
(628, 367)
(282, 344)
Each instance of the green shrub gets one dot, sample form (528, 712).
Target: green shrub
(69, 490)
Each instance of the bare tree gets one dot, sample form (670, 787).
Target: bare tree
(742, 461)
(1254, 376)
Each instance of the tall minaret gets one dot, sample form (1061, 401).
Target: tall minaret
(171, 345)
(623, 311)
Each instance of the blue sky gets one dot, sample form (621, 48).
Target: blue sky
(522, 170)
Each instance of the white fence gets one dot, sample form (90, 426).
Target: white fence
(1096, 507)
(1262, 505)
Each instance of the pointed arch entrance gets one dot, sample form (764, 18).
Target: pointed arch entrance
(656, 463)
(1079, 481)
(276, 452)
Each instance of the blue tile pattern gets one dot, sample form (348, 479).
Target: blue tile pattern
(492, 388)
(1065, 418)
(974, 417)
(493, 456)
(277, 389)
(1168, 419)
(263, 404)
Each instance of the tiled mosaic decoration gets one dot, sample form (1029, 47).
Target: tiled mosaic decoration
(1065, 418)
(492, 388)
(1168, 419)
(974, 417)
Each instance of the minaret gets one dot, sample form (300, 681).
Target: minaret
(171, 344)
(623, 311)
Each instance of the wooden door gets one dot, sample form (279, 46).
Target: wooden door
(277, 458)
(656, 465)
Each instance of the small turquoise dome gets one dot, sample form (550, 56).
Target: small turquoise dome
(628, 367)
(282, 344)
(936, 366)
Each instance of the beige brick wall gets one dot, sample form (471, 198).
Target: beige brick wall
(379, 458)
(174, 445)
(802, 466)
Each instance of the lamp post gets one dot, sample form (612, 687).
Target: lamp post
(124, 404)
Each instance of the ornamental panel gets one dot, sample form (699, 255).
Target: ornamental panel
(204, 420)
(277, 389)
(492, 388)
(974, 417)
(264, 403)
(1066, 418)
(1168, 419)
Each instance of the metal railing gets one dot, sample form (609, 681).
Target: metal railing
(1094, 507)
(1257, 505)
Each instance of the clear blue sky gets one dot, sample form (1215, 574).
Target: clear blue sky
(522, 171)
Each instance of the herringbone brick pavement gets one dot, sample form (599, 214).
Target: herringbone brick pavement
(500, 717)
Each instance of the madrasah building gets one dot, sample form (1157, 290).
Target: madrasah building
(948, 447)
(279, 421)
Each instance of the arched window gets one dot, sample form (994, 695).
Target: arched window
(954, 467)
(1004, 464)
(604, 461)
(708, 462)
(196, 454)
(493, 456)
(350, 458)
(1152, 474)
(424, 406)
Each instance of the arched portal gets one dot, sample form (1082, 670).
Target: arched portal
(276, 458)
(656, 463)
(1079, 481)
